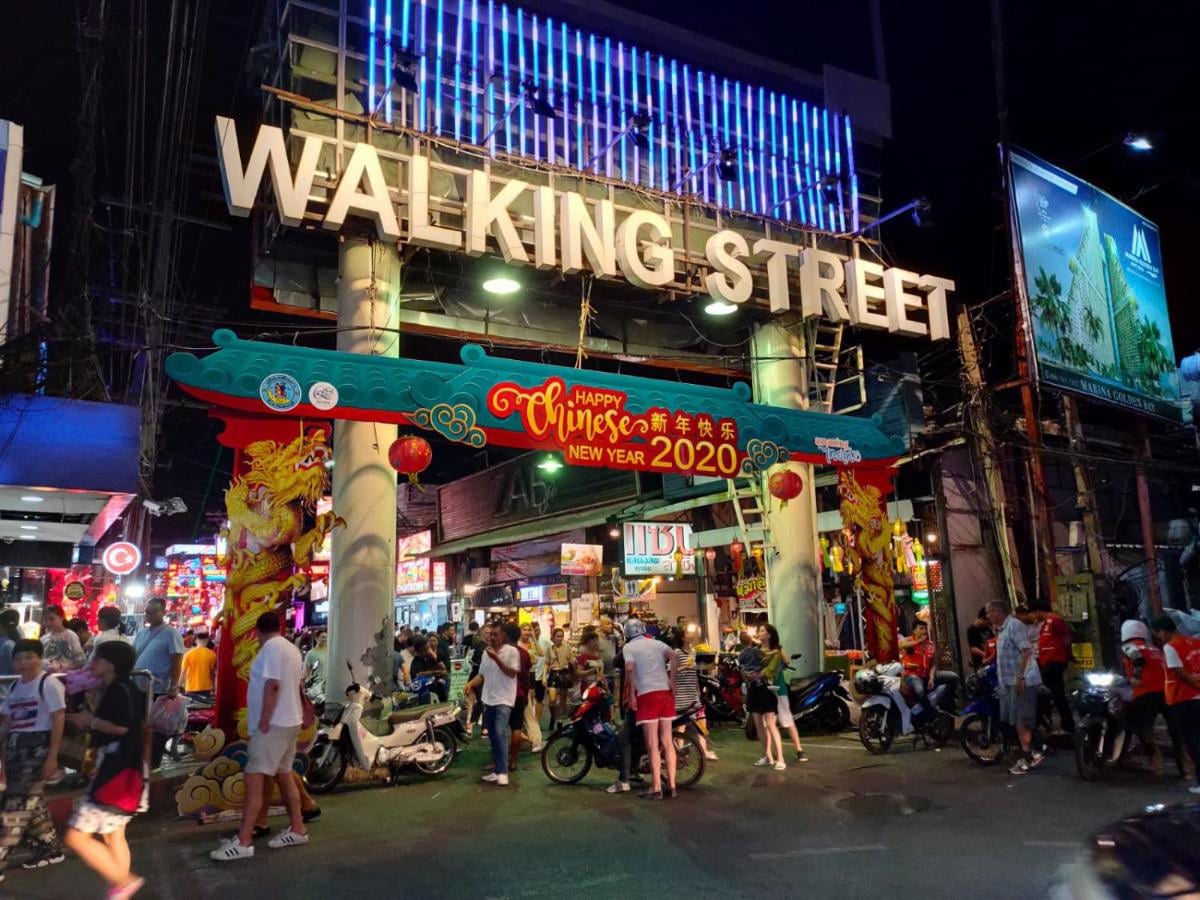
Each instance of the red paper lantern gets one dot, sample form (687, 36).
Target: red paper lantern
(410, 455)
(785, 485)
(735, 552)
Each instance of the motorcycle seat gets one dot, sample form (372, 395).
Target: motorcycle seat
(804, 682)
(414, 713)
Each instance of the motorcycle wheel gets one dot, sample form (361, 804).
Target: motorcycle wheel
(689, 761)
(433, 769)
(874, 731)
(326, 766)
(565, 760)
(834, 716)
(942, 729)
(1087, 753)
(984, 739)
(447, 738)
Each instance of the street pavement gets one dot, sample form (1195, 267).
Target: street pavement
(917, 822)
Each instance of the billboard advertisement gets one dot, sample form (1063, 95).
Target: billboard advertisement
(581, 559)
(1094, 284)
(650, 548)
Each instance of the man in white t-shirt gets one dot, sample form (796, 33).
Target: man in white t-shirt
(650, 695)
(498, 670)
(273, 717)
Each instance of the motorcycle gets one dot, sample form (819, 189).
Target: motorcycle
(589, 738)
(821, 700)
(1102, 733)
(722, 694)
(984, 735)
(886, 712)
(422, 737)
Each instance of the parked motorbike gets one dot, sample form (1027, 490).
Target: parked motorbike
(422, 737)
(722, 693)
(589, 738)
(1102, 733)
(887, 712)
(984, 735)
(820, 700)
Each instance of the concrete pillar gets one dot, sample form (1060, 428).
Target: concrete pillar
(363, 566)
(793, 572)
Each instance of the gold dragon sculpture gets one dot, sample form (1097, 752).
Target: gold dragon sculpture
(863, 512)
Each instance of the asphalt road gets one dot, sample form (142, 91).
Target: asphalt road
(912, 823)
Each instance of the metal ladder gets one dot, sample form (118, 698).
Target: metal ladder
(825, 358)
(745, 493)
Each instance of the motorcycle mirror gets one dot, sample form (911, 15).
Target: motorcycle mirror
(797, 655)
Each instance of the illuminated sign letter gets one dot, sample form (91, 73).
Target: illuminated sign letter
(899, 302)
(730, 281)
(935, 300)
(821, 281)
(486, 213)
(420, 230)
(657, 266)
(241, 186)
(777, 270)
(580, 236)
(544, 255)
(865, 295)
(375, 203)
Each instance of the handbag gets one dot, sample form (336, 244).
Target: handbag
(121, 791)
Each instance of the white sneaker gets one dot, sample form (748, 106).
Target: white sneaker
(287, 838)
(502, 780)
(537, 748)
(780, 766)
(230, 850)
(710, 754)
(617, 787)
(763, 761)
(491, 777)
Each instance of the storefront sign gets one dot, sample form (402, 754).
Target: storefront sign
(592, 427)
(412, 576)
(538, 594)
(650, 548)
(74, 591)
(573, 233)
(838, 451)
(439, 578)
(280, 392)
(122, 558)
(751, 593)
(323, 396)
(582, 559)
(460, 674)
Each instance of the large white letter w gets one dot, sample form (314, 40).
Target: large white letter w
(241, 186)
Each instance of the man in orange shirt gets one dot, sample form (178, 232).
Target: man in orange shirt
(199, 669)
(1053, 656)
(1147, 673)
(1181, 655)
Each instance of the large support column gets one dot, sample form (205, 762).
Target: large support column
(363, 567)
(793, 571)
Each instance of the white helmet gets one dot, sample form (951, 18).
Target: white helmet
(634, 628)
(1132, 629)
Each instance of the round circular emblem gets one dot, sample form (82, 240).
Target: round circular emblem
(280, 392)
(323, 395)
(74, 590)
(122, 558)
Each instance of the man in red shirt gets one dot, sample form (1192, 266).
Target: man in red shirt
(1181, 656)
(1054, 655)
(1147, 673)
(918, 655)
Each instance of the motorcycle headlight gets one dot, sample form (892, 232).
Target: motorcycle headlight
(1100, 679)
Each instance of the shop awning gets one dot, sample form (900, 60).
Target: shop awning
(529, 530)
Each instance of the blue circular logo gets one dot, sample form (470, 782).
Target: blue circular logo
(280, 392)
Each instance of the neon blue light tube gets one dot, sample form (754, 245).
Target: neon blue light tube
(650, 156)
(637, 108)
(608, 105)
(624, 110)
(726, 138)
(691, 185)
(507, 77)
(828, 161)
(579, 85)
(489, 120)
(458, 72)
(537, 74)
(474, 64)
(521, 80)
(371, 99)
(593, 94)
(774, 115)
(853, 175)
(664, 174)
(837, 167)
(741, 169)
(566, 97)
(387, 61)
(551, 95)
(422, 87)
(437, 68)
(677, 134)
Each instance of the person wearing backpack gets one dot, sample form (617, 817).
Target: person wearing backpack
(31, 729)
(115, 791)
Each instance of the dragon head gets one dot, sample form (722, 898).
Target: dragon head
(860, 503)
(291, 472)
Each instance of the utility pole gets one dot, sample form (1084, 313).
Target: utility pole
(1147, 517)
(985, 449)
(1083, 487)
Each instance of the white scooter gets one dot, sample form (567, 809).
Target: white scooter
(886, 713)
(422, 737)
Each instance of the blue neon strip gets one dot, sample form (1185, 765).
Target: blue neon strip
(774, 114)
(663, 167)
(437, 68)
(458, 72)
(762, 156)
(551, 95)
(371, 44)
(521, 130)
(727, 140)
(594, 96)
(566, 97)
(817, 194)
(545, 91)
(608, 105)
(405, 22)
(388, 75)
(714, 141)
(506, 129)
(703, 138)
(489, 121)
(624, 110)
(740, 144)
(422, 87)
(690, 186)
(637, 109)
(474, 64)
(837, 167)
(650, 157)
(853, 175)
(677, 133)
(828, 161)
(580, 156)
(751, 173)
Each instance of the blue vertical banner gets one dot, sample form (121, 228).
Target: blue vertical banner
(1094, 287)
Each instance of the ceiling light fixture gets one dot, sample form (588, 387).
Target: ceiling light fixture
(501, 285)
(550, 464)
(1138, 142)
(32, 498)
(28, 537)
(720, 308)
(29, 528)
